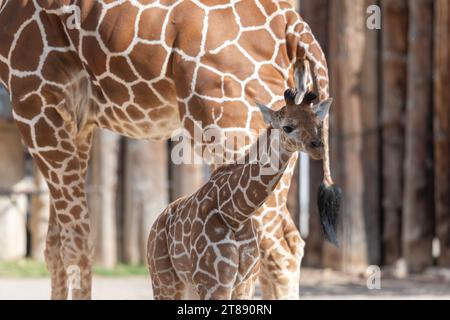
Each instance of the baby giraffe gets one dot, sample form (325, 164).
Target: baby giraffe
(205, 245)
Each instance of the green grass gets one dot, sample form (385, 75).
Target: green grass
(23, 268)
(27, 268)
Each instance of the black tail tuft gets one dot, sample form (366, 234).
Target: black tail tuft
(329, 203)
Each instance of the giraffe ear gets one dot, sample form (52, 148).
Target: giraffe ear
(266, 112)
(322, 108)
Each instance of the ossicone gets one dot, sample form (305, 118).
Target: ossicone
(293, 97)
(290, 95)
(309, 97)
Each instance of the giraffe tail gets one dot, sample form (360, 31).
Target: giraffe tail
(329, 202)
(329, 196)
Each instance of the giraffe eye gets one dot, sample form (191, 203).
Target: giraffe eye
(288, 129)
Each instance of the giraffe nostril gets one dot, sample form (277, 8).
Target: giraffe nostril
(316, 144)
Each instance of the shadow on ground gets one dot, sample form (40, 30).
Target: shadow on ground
(433, 284)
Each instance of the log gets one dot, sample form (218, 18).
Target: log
(120, 201)
(315, 13)
(102, 197)
(394, 61)
(315, 240)
(13, 206)
(40, 209)
(5, 105)
(185, 178)
(347, 49)
(304, 194)
(370, 117)
(417, 224)
(146, 194)
(442, 128)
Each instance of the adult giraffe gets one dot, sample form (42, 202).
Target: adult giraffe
(144, 68)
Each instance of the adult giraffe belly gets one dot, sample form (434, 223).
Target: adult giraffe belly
(130, 66)
(139, 111)
(220, 67)
(139, 97)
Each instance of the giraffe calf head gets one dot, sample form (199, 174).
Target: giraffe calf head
(300, 122)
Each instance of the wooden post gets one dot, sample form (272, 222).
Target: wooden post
(442, 128)
(370, 117)
(146, 194)
(394, 60)
(40, 208)
(315, 13)
(13, 205)
(347, 47)
(5, 106)
(418, 197)
(185, 178)
(102, 197)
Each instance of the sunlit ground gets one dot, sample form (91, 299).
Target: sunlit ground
(27, 279)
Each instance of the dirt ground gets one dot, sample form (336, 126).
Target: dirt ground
(315, 284)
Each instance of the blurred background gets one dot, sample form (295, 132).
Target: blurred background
(390, 152)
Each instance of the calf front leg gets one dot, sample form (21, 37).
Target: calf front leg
(245, 290)
(214, 283)
(165, 282)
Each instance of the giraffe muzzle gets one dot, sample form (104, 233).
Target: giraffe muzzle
(316, 144)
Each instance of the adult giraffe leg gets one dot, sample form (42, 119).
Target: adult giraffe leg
(53, 258)
(53, 248)
(82, 236)
(281, 245)
(70, 212)
(281, 255)
(54, 143)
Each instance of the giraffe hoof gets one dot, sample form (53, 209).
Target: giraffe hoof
(329, 203)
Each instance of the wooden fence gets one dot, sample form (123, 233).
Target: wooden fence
(390, 144)
(390, 132)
